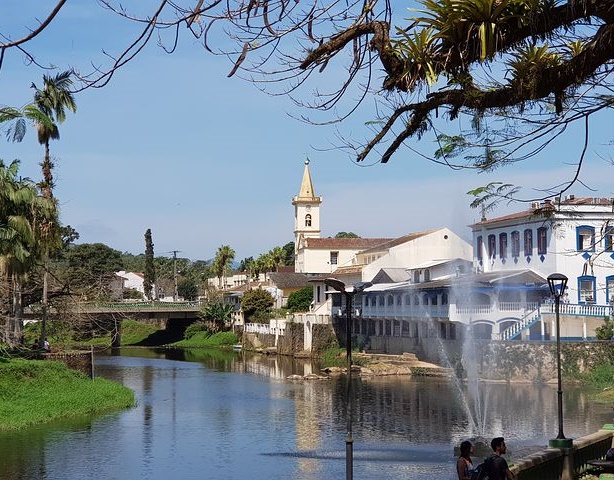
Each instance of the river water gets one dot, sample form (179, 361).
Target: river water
(228, 416)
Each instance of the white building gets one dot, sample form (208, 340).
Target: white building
(314, 255)
(572, 236)
(134, 281)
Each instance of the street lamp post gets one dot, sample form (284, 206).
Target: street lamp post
(349, 296)
(557, 283)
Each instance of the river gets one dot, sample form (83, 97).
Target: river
(211, 414)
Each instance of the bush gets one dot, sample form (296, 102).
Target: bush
(300, 301)
(605, 331)
(256, 305)
(195, 328)
(205, 339)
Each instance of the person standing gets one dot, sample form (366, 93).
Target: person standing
(496, 466)
(464, 464)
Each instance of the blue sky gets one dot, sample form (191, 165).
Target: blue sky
(174, 145)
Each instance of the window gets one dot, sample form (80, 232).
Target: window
(585, 236)
(586, 289)
(416, 276)
(609, 289)
(479, 248)
(515, 243)
(542, 241)
(503, 245)
(528, 242)
(334, 258)
(308, 220)
(427, 275)
(492, 246)
(608, 239)
(318, 294)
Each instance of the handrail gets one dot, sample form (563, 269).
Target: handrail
(525, 322)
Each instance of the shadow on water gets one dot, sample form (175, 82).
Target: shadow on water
(395, 455)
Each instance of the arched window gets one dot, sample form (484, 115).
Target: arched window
(479, 248)
(416, 276)
(492, 246)
(444, 298)
(542, 240)
(515, 243)
(528, 242)
(407, 300)
(308, 220)
(503, 245)
(427, 275)
(389, 300)
(608, 237)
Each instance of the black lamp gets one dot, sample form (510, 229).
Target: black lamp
(557, 283)
(338, 285)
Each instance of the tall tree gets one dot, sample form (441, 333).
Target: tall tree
(277, 256)
(223, 259)
(20, 211)
(289, 250)
(48, 110)
(149, 275)
(52, 101)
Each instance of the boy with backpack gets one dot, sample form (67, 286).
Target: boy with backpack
(495, 467)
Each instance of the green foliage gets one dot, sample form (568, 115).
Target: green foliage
(35, 392)
(149, 274)
(90, 267)
(205, 339)
(600, 376)
(132, 294)
(222, 261)
(288, 249)
(186, 288)
(300, 301)
(346, 235)
(194, 328)
(605, 331)
(333, 357)
(134, 332)
(256, 305)
(217, 313)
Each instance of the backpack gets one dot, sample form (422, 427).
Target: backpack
(481, 471)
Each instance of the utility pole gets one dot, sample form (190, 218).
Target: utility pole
(175, 293)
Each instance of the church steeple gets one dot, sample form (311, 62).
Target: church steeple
(306, 192)
(306, 210)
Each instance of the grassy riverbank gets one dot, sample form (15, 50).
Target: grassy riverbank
(205, 339)
(35, 391)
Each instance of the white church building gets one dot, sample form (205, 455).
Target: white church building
(434, 284)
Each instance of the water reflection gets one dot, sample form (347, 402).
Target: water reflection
(224, 415)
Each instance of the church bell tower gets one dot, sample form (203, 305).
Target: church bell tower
(306, 211)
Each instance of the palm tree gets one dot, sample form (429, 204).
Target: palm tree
(223, 258)
(21, 209)
(48, 109)
(278, 256)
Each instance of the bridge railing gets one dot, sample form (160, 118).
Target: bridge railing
(550, 464)
(108, 307)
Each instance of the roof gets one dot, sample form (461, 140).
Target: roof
(433, 263)
(544, 209)
(348, 270)
(284, 280)
(490, 280)
(391, 275)
(344, 243)
(393, 242)
(306, 192)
